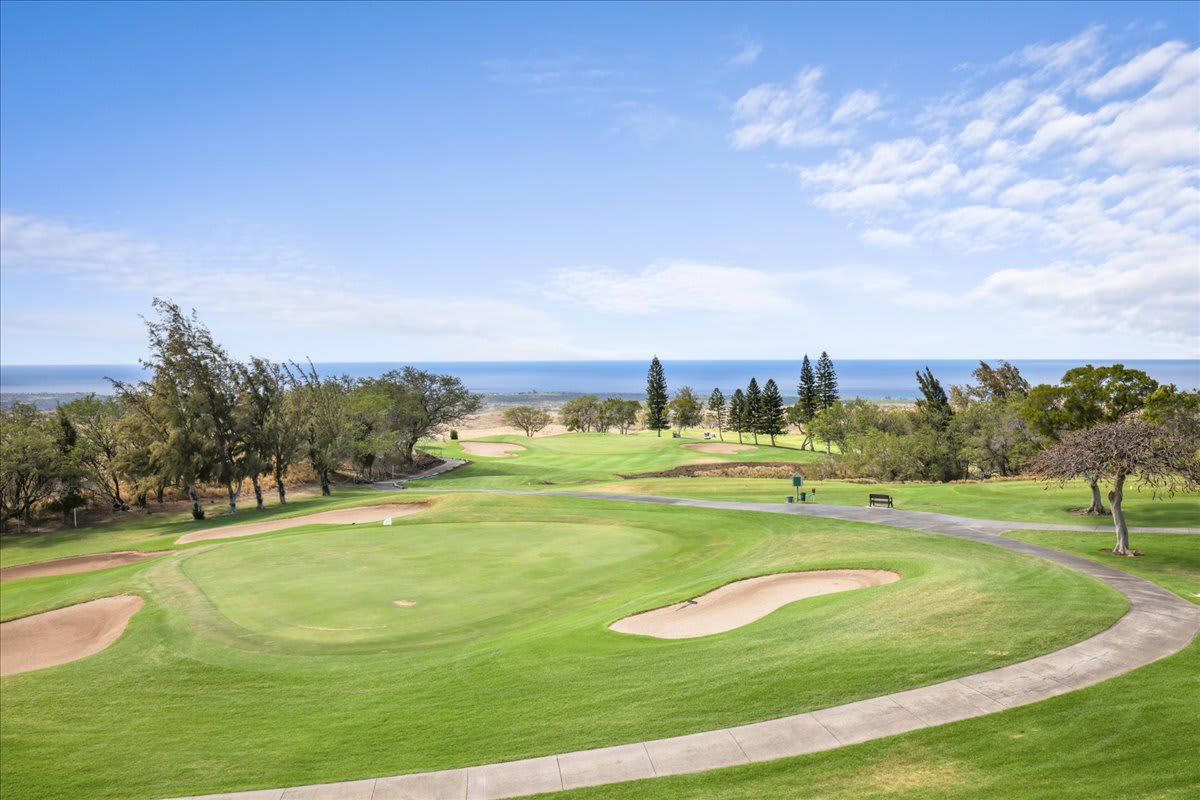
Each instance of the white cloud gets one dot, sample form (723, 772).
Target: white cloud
(671, 286)
(886, 238)
(858, 104)
(1137, 70)
(747, 55)
(1033, 192)
(1079, 54)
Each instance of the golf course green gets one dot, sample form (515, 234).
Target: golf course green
(477, 631)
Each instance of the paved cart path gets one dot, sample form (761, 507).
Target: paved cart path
(1157, 624)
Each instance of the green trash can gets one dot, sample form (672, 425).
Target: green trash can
(804, 497)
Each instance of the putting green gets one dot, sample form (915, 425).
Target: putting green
(406, 583)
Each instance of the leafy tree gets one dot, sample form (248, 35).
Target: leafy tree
(770, 421)
(527, 418)
(324, 437)
(97, 422)
(808, 402)
(737, 413)
(275, 426)
(934, 403)
(994, 437)
(826, 380)
(70, 473)
(1087, 396)
(686, 408)
(1002, 383)
(29, 462)
(366, 417)
(716, 404)
(656, 397)
(1155, 456)
(581, 413)
(177, 400)
(753, 410)
(619, 414)
(1175, 409)
(423, 403)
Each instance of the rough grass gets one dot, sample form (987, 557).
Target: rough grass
(228, 696)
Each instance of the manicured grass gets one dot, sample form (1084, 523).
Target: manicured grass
(1020, 501)
(215, 685)
(1171, 560)
(1134, 736)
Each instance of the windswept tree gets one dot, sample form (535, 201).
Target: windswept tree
(425, 403)
(686, 408)
(619, 414)
(1086, 396)
(808, 402)
(527, 418)
(1154, 456)
(771, 421)
(1000, 383)
(737, 413)
(177, 400)
(98, 423)
(716, 404)
(275, 425)
(934, 404)
(323, 434)
(753, 408)
(826, 380)
(656, 397)
(70, 473)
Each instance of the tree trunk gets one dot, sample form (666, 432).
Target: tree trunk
(325, 491)
(1097, 506)
(279, 485)
(258, 501)
(807, 444)
(720, 433)
(162, 489)
(197, 511)
(755, 437)
(739, 437)
(659, 432)
(772, 440)
(233, 495)
(1114, 499)
(141, 500)
(120, 504)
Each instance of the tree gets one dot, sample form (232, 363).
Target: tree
(1157, 457)
(737, 413)
(276, 427)
(686, 408)
(98, 424)
(934, 404)
(323, 433)
(527, 418)
(716, 404)
(366, 417)
(619, 414)
(177, 400)
(70, 472)
(808, 402)
(423, 403)
(994, 437)
(1175, 409)
(753, 408)
(29, 462)
(656, 397)
(1087, 396)
(1002, 383)
(771, 420)
(581, 413)
(826, 380)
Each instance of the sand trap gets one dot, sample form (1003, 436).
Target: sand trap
(495, 449)
(67, 634)
(742, 602)
(719, 447)
(88, 563)
(341, 516)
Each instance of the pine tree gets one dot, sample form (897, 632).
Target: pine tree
(737, 413)
(716, 404)
(827, 385)
(809, 400)
(753, 408)
(656, 397)
(771, 419)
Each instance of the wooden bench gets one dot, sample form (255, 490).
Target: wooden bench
(881, 500)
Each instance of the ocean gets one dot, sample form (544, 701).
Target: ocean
(876, 379)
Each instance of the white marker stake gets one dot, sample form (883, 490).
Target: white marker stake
(387, 521)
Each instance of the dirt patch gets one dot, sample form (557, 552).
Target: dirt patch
(404, 603)
(67, 634)
(742, 602)
(727, 469)
(66, 566)
(341, 516)
(494, 449)
(491, 423)
(719, 447)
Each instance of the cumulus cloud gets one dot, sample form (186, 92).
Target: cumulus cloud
(796, 114)
(1137, 70)
(886, 238)
(856, 105)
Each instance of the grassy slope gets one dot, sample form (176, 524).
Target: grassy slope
(532, 678)
(1131, 737)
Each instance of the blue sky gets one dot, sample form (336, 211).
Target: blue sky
(405, 182)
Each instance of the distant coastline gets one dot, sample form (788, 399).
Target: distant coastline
(877, 379)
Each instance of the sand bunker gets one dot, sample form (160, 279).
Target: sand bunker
(66, 566)
(719, 447)
(495, 449)
(742, 602)
(341, 516)
(67, 634)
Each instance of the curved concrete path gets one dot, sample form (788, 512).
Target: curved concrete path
(446, 465)
(1158, 624)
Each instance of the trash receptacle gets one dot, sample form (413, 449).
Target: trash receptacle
(803, 497)
(791, 499)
